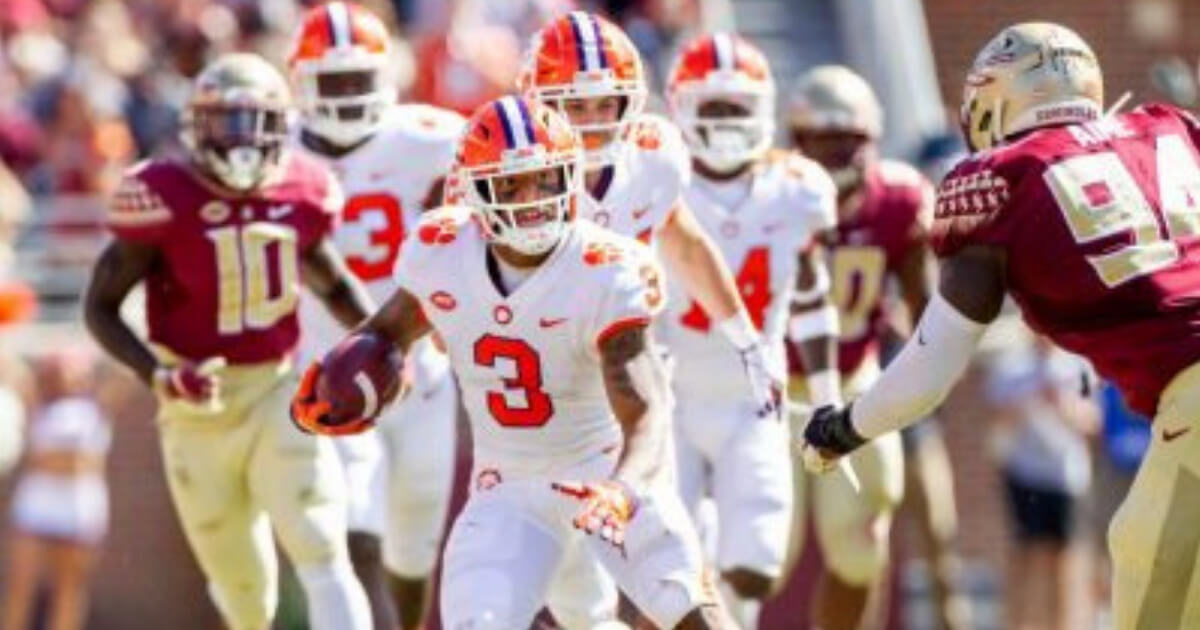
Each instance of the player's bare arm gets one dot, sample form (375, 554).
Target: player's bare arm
(915, 277)
(435, 196)
(120, 266)
(399, 320)
(695, 257)
(327, 277)
(636, 383)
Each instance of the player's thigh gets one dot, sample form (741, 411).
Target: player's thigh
(297, 478)
(497, 566)
(419, 444)
(854, 527)
(752, 486)
(660, 567)
(361, 458)
(1154, 540)
(582, 594)
(691, 471)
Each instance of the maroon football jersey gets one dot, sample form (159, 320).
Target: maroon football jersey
(1100, 224)
(229, 277)
(867, 248)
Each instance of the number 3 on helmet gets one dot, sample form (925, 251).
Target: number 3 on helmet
(511, 136)
(339, 64)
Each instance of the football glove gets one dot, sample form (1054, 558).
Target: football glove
(827, 437)
(767, 387)
(607, 508)
(312, 415)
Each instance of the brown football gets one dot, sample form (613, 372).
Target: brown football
(359, 377)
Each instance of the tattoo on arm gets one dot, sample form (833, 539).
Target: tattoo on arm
(329, 279)
(121, 266)
(636, 383)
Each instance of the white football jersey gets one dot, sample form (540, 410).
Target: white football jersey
(528, 364)
(385, 181)
(646, 182)
(761, 224)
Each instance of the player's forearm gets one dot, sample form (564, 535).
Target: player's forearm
(813, 329)
(348, 302)
(921, 376)
(639, 393)
(704, 274)
(399, 320)
(115, 336)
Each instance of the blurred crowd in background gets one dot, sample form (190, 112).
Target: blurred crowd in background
(89, 86)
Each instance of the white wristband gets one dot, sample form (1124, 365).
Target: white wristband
(824, 388)
(739, 331)
(818, 322)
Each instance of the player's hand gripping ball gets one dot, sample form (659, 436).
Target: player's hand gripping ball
(346, 391)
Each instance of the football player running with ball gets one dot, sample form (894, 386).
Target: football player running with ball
(763, 211)
(222, 242)
(1091, 223)
(884, 210)
(390, 160)
(546, 320)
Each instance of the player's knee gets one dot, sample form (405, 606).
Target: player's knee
(747, 583)
(410, 556)
(244, 604)
(858, 564)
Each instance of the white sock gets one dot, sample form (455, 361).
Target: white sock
(744, 611)
(336, 600)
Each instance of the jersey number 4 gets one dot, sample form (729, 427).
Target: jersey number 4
(754, 286)
(384, 239)
(1100, 198)
(536, 408)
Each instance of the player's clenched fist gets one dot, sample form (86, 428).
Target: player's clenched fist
(194, 384)
(607, 507)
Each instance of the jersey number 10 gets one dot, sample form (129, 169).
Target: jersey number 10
(257, 275)
(1100, 198)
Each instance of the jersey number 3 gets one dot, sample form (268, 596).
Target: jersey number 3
(1100, 198)
(526, 382)
(384, 240)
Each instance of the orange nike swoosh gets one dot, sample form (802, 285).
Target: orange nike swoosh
(638, 214)
(550, 323)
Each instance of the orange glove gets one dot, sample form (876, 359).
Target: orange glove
(608, 506)
(312, 415)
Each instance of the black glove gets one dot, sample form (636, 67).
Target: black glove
(830, 432)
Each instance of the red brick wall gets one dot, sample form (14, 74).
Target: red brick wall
(959, 28)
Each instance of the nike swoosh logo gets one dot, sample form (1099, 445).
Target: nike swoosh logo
(275, 213)
(920, 337)
(551, 323)
(773, 227)
(639, 213)
(1171, 435)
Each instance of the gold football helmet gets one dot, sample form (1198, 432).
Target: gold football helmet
(235, 123)
(835, 98)
(1031, 75)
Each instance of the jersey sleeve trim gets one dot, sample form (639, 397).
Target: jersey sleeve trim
(620, 326)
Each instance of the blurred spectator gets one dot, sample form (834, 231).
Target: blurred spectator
(59, 511)
(1041, 442)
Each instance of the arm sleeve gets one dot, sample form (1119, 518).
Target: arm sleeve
(137, 212)
(921, 376)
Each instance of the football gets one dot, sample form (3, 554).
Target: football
(359, 377)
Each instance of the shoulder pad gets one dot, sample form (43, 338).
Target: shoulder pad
(972, 188)
(897, 173)
(441, 226)
(135, 202)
